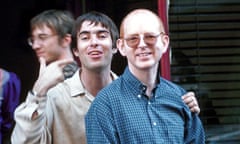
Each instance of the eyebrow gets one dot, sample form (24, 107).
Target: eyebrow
(97, 31)
(42, 34)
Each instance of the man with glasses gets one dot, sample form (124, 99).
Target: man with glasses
(56, 115)
(140, 106)
(50, 38)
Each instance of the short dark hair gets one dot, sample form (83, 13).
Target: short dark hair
(95, 18)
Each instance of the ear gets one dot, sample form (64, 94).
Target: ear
(165, 41)
(75, 52)
(66, 41)
(120, 46)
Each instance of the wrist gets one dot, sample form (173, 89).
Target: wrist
(34, 93)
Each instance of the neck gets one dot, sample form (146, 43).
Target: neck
(148, 77)
(66, 54)
(94, 81)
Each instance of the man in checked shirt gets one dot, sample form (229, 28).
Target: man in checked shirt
(141, 107)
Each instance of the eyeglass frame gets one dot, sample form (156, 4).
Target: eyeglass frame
(135, 45)
(41, 38)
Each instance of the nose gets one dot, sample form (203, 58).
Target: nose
(94, 40)
(35, 45)
(141, 41)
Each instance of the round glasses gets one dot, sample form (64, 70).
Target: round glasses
(149, 39)
(40, 38)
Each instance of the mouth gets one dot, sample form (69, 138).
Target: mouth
(95, 54)
(40, 54)
(145, 54)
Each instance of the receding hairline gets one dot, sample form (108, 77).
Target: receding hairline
(137, 12)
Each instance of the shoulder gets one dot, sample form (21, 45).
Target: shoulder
(111, 88)
(69, 87)
(171, 87)
(61, 89)
(9, 80)
(109, 95)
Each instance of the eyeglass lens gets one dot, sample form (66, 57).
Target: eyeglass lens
(40, 38)
(149, 39)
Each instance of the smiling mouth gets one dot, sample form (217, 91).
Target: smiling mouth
(95, 54)
(143, 54)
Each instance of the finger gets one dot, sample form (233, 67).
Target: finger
(193, 105)
(188, 99)
(195, 109)
(188, 94)
(64, 62)
(191, 102)
(194, 101)
(42, 64)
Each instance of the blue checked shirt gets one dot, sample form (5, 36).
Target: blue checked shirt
(122, 113)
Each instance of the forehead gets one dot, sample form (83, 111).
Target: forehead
(139, 23)
(41, 29)
(90, 27)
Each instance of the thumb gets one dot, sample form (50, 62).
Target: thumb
(42, 64)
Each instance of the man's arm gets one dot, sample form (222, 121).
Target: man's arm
(30, 116)
(28, 130)
(50, 75)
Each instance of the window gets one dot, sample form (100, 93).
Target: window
(205, 49)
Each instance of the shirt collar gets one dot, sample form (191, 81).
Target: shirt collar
(136, 84)
(76, 87)
(75, 84)
(133, 82)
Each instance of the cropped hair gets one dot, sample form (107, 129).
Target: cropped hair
(95, 18)
(59, 21)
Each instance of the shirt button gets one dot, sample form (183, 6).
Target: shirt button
(154, 123)
(149, 103)
(139, 96)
